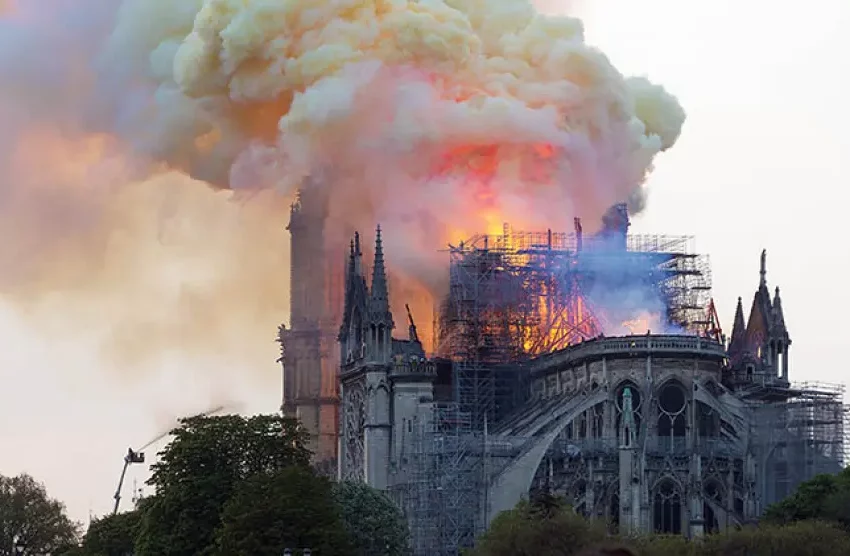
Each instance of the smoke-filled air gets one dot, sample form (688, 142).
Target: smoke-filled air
(150, 149)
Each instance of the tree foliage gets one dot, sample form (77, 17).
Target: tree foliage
(27, 512)
(199, 470)
(526, 530)
(292, 508)
(374, 524)
(803, 538)
(113, 535)
(824, 497)
(546, 526)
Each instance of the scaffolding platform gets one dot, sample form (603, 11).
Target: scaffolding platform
(521, 294)
(800, 437)
(441, 496)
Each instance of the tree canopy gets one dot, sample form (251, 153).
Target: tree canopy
(199, 469)
(29, 514)
(113, 535)
(824, 497)
(374, 524)
(292, 508)
(546, 526)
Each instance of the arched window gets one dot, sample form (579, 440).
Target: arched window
(672, 404)
(667, 508)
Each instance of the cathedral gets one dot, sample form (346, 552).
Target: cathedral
(590, 367)
(676, 432)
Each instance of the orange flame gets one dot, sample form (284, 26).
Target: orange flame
(643, 323)
(480, 167)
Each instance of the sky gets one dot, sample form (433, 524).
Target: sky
(759, 165)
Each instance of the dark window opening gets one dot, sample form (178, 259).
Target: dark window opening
(614, 512)
(667, 510)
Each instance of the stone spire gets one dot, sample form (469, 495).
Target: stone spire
(763, 269)
(358, 254)
(380, 303)
(739, 330)
(349, 275)
(778, 316)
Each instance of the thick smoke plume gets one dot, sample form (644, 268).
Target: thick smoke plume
(150, 148)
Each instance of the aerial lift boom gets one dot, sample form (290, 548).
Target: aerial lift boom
(131, 457)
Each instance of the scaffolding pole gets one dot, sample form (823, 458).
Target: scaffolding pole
(799, 438)
(441, 495)
(521, 294)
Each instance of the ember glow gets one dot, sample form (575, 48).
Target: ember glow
(644, 323)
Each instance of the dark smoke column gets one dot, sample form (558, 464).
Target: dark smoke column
(310, 390)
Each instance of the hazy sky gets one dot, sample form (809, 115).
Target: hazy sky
(759, 165)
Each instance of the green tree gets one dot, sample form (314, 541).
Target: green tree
(375, 525)
(29, 514)
(544, 527)
(113, 535)
(292, 508)
(802, 538)
(665, 545)
(823, 497)
(200, 468)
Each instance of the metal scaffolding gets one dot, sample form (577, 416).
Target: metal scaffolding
(799, 438)
(441, 495)
(521, 294)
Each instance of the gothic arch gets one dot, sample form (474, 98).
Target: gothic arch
(671, 403)
(668, 503)
(638, 404)
(514, 482)
(667, 477)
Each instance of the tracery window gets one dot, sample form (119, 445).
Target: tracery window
(672, 405)
(667, 508)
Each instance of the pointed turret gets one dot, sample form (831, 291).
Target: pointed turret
(739, 328)
(358, 255)
(380, 303)
(759, 321)
(762, 350)
(349, 273)
(352, 331)
(779, 317)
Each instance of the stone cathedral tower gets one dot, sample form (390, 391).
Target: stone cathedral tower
(386, 383)
(308, 346)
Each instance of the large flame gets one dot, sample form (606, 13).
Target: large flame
(438, 119)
